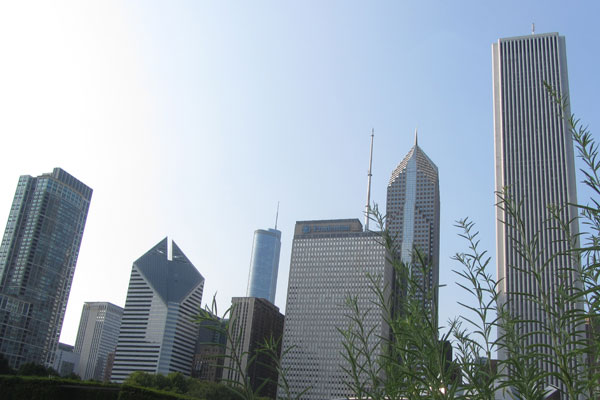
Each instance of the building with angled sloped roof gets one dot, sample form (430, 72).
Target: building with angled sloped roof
(157, 333)
(413, 220)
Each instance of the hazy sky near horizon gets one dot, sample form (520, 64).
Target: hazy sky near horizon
(192, 119)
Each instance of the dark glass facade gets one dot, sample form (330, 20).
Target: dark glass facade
(37, 261)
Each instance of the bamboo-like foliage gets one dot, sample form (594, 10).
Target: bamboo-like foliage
(410, 362)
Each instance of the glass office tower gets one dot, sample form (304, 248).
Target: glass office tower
(264, 264)
(413, 217)
(37, 261)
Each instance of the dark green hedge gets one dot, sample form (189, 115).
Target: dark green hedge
(129, 392)
(36, 388)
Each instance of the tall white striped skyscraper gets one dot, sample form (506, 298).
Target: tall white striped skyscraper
(158, 333)
(534, 161)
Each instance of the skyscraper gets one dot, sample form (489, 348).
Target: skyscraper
(413, 217)
(96, 337)
(37, 261)
(253, 321)
(330, 260)
(534, 161)
(264, 264)
(157, 333)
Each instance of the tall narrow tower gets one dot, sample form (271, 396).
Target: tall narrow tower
(534, 161)
(37, 261)
(264, 264)
(413, 217)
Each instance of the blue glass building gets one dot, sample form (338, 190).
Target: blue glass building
(264, 264)
(37, 261)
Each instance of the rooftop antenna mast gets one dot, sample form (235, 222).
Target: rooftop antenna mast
(533, 28)
(368, 207)
(277, 216)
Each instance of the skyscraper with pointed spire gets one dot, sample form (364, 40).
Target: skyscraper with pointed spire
(413, 216)
(157, 332)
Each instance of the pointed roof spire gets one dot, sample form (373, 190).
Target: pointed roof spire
(416, 138)
(367, 207)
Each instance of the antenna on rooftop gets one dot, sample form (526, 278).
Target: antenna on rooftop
(533, 28)
(277, 215)
(416, 137)
(367, 207)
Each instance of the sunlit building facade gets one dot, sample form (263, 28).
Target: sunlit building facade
(413, 220)
(38, 254)
(331, 260)
(534, 161)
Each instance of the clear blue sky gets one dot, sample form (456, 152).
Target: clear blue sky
(192, 119)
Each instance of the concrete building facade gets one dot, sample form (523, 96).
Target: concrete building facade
(331, 260)
(534, 161)
(97, 337)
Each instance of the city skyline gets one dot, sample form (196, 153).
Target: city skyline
(188, 119)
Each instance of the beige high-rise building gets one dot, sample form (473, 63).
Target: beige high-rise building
(97, 336)
(331, 260)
